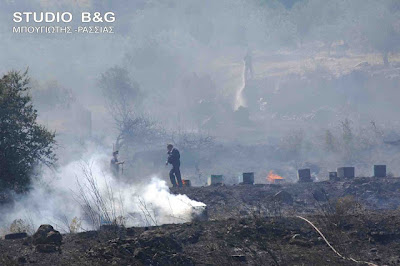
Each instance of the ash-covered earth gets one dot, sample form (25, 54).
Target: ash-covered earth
(249, 225)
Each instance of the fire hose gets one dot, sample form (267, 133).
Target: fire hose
(331, 247)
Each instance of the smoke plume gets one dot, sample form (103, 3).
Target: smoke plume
(86, 191)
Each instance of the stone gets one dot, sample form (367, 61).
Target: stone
(186, 183)
(215, 180)
(16, 236)
(380, 170)
(248, 178)
(47, 235)
(304, 175)
(54, 237)
(346, 172)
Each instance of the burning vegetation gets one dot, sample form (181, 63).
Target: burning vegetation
(274, 178)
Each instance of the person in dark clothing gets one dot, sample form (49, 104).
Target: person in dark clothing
(114, 164)
(174, 159)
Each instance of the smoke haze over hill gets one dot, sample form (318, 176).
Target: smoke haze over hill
(324, 92)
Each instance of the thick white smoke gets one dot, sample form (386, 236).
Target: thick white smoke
(86, 191)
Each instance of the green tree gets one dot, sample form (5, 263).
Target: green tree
(24, 144)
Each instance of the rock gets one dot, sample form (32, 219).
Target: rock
(54, 237)
(40, 236)
(16, 236)
(346, 172)
(304, 175)
(284, 197)
(47, 235)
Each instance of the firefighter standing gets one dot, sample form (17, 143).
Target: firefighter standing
(174, 160)
(114, 164)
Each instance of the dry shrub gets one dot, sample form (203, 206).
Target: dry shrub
(20, 226)
(75, 225)
(336, 212)
(99, 206)
(347, 205)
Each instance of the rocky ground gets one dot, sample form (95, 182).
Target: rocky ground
(255, 225)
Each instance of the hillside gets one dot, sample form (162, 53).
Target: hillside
(247, 224)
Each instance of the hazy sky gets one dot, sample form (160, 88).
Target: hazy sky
(162, 43)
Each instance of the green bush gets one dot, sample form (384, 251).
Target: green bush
(24, 144)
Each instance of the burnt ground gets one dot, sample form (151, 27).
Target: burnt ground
(255, 225)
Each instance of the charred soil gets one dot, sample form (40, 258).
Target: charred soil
(249, 225)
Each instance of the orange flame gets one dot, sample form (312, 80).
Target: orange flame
(186, 182)
(272, 177)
